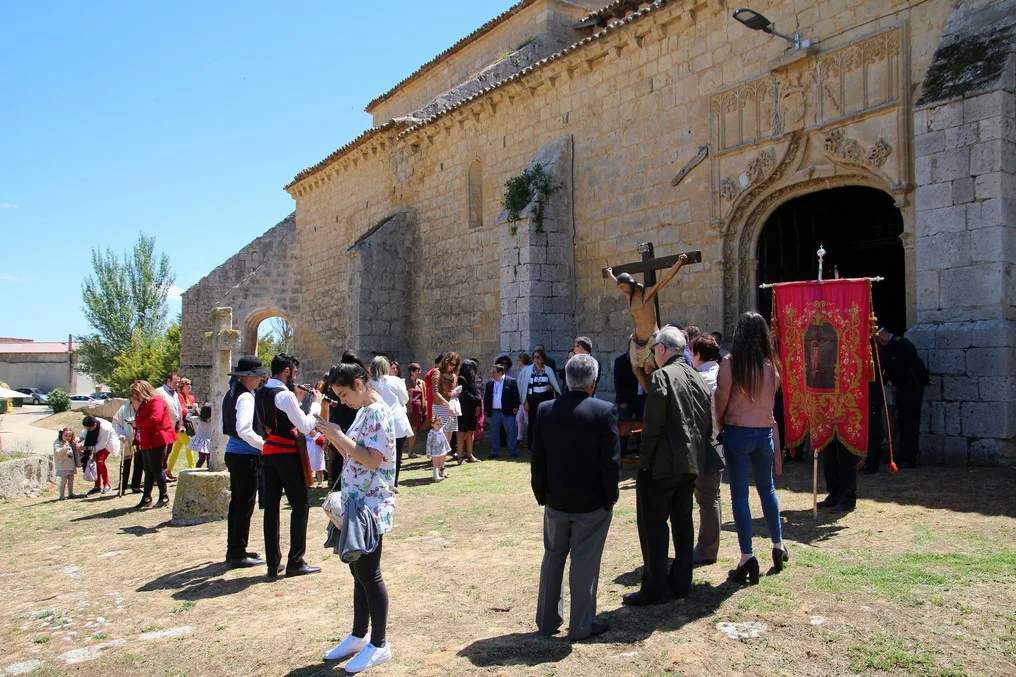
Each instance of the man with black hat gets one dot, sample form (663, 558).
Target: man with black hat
(243, 457)
(283, 420)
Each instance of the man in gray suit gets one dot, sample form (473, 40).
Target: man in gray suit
(676, 443)
(576, 467)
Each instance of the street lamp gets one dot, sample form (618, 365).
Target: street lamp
(758, 22)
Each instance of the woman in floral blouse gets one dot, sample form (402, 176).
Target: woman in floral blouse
(368, 474)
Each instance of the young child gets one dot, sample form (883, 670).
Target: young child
(437, 448)
(202, 440)
(66, 457)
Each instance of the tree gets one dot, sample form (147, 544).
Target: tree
(148, 359)
(277, 339)
(125, 303)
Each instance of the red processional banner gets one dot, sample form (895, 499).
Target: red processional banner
(826, 361)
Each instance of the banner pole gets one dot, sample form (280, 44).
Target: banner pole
(814, 486)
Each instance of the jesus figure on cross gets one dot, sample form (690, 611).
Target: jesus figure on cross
(643, 314)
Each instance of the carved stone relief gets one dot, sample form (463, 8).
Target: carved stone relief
(838, 144)
(757, 170)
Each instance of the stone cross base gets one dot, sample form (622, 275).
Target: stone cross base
(201, 496)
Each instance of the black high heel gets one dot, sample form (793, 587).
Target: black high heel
(780, 556)
(747, 570)
(145, 502)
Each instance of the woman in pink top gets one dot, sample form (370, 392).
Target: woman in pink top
(745, 392)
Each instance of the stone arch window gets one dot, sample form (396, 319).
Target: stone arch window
(475, 194)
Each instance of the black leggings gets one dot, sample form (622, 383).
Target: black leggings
(400, 444)
(370, 597)
(152, 458)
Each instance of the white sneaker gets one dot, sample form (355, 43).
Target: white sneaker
(350, 646)
(105, 489)
(369, 657)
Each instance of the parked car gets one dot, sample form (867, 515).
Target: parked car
(101, 396)
(82, 401)
(38, 397)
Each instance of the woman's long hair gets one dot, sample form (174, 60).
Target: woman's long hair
(143, 391)
(379, 368)
(450, 358)
(468, 373)
(752, 347)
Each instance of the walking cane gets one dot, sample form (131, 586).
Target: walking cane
(123, 455)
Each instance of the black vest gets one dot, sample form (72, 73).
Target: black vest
(229, 411)
(275, 422)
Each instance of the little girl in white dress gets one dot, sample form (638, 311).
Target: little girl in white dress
(437, 448)
(202, 440)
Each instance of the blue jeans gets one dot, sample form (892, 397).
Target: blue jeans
(502, 419)
(745, 448)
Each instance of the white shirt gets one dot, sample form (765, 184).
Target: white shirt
(286, 402)
(710, 371)
(497, 389)
(108, 439)
(172, 403)
(245, 421)
(120, 424)
(393, 391)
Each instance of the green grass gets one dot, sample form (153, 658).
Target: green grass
(770, 594)
(909, 579)
(885, 653)
(12, 455)
(100, 636)
(41, 639)
(186, 606)
(151, 627)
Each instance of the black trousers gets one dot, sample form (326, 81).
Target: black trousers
(400, 443)
(875, 432)
(370, 596)
(131, 463)
(840, 467)
(534, 402)
(284, 473)
(152, 459)
(908, 406)
(244, 475)
(656, 501)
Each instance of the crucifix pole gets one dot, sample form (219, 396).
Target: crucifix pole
(649, 277)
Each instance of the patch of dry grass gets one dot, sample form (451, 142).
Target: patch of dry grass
(918, 580)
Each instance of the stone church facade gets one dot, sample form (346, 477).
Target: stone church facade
(667, 122)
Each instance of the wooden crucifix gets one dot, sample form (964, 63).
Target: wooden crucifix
(645, 316)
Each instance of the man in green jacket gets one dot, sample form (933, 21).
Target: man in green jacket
(676, 448)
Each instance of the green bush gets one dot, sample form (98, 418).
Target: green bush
(59, 401)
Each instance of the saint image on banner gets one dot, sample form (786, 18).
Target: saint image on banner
(821, 348)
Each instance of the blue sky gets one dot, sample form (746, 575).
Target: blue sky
(180, 119)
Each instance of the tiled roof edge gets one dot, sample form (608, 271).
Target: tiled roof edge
(485, 28)
(369, 134)
(657, 4)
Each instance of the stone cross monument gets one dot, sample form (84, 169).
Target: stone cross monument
(221, 341)
(203, 495)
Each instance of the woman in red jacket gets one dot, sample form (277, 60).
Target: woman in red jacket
(152, 422)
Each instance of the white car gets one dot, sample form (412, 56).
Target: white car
(82, 401)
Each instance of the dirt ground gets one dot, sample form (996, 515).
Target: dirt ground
(918, 580)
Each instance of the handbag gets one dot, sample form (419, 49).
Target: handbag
(91, 471)
(188, 427)
(359, 534)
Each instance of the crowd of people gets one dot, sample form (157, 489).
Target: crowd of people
(699, 412)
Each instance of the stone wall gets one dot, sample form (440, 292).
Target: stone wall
(25, 477)
(262, 280)
(965, 133)
(380, 288)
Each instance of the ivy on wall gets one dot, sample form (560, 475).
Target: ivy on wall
(532, 186)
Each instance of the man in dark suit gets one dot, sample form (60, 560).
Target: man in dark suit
(676, 443)
(905, 370)
(575, 472)
(500, 405)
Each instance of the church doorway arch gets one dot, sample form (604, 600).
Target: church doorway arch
(268, 326)
(861, 229)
